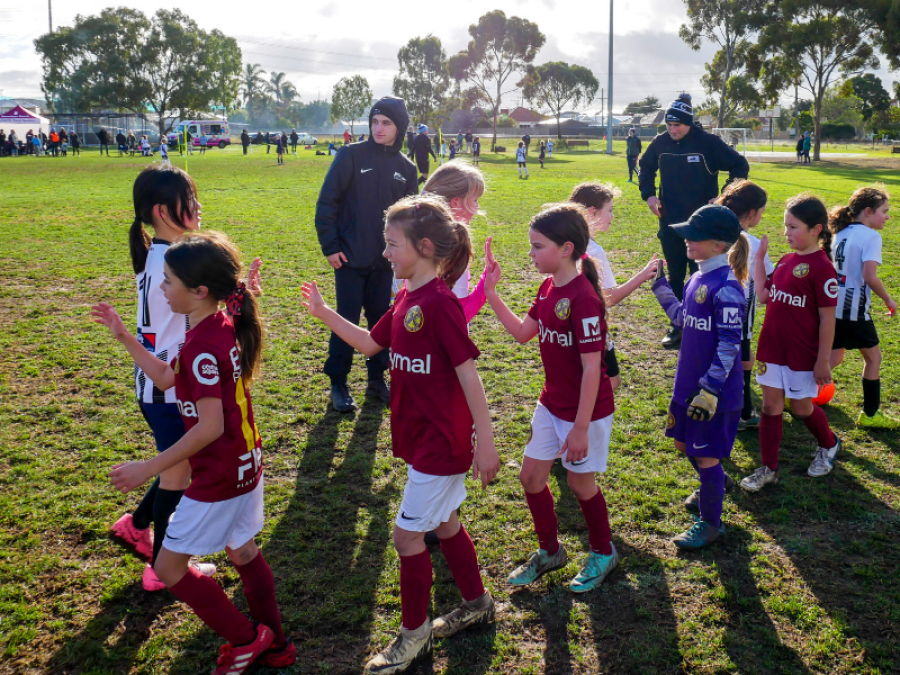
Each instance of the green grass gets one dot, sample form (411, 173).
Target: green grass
(807, 580)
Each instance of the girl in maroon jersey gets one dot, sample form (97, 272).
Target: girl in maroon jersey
(794, 350)
(436, 401)
(223, 506)
(573, 419)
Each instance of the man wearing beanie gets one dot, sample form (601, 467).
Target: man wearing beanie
(421, 149)
(688, 161)
(364, 180)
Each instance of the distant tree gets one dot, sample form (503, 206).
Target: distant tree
(813, 41)
(500, 47)
(315, 115)
(727, 23)
(739, 87)
(871, 93)
(223, 63)
(253, 83)
(351, 99)
(642, 107)
(423, 80)
(555, 85)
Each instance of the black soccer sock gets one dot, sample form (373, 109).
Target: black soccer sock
(163, 507)
(143, 514)
(871, 396)
(747, 412)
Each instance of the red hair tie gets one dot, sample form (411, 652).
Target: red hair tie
(584, 257)
(235, 300)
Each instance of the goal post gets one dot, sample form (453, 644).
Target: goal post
(732, 136)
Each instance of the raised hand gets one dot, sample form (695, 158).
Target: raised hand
(312, 299)
(254, 283)
(492, 268)
(106, 315)
(128, 476)
(763, 248)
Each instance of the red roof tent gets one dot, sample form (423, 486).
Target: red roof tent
(19, 115)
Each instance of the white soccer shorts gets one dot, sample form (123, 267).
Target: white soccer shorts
(429, 500)
(548, 434)
(796, 384)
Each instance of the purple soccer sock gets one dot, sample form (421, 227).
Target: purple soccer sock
(712, 492)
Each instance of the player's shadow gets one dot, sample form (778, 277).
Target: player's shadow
(327, 550)
(115, 636)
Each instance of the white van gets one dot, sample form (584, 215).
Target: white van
(216, 133)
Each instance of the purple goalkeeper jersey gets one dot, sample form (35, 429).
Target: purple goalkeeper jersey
(711, 317)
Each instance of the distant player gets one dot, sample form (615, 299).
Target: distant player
(164, 152)
(706, 400)
(856, 251)
(748, 201)
(222, 510)
(574, 415)
(437, 401)
(476, 149)
(794, 348)
(520, 158)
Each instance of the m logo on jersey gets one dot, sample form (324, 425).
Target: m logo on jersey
(591, 327)
(761, 368)
(700, 295)
(731, 315)
(562, 309)
(414, 319)
(831, 288)
(206, 370)
(801, 270)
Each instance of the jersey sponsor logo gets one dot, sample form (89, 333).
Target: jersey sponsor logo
(731, 315)
(414, 319)
(235, 356)
(186, 408)
(700, 295)
(252, 459)
(801, 270)
(205, 368)
(552, 336)
(399, 176)
(788, 299)
(693, 158)
(698, 323)
(148, 340)
(670, 421)
(563, 309)
(591, 327)
(761, 368)
(421, 366)
(831, 288)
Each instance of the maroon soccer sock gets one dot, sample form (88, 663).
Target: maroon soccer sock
(259, 589)
(817, 423)
(545, 524)
(209, 602)
(771, 429)
(597, 518)
(463, 563)
(415, 589)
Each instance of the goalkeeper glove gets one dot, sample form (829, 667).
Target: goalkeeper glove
(660, 271)
(702, 406)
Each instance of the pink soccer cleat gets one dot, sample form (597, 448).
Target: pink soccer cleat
(141, 540)
(236, 660)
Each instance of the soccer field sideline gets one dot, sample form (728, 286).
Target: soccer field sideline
(806, 582)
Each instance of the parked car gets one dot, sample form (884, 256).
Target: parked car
(307, 139)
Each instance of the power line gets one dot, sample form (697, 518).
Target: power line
(312, 62)
(315, 51)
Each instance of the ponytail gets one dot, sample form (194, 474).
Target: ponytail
(739, 259)
(839, 218)
(864, 198)
(825, 237)
(139, 244)
(589, 269)
(211, 259)
(456, 264)
(743, 196)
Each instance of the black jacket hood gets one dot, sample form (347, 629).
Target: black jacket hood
(395, 110)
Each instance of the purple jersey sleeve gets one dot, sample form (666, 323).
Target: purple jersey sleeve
(669, 302)
(728, 307)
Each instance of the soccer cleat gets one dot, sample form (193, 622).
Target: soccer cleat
(539, 563)
(153, 583)
(826, 393)
(379, 389)
(341, 399)
(824, 461)
(700, 535)
(281, 658)
(595, 570)
(757, 480)
(236, 660)
(672, 340)
(404, 649)
(877, 421)
(142, 540)
(466, 614)
(692, 502)
(751, 422)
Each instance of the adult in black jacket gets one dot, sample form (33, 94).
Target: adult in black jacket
(421, 149)
(363, 181)
(410, 139)
(268, 142)
(294, 138)
(103, 137)
(632, 152)
(245, 140)
(688, 161)
(122, 143)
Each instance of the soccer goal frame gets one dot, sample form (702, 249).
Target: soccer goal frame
(718, 131)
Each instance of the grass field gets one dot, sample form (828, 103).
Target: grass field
(807, 581)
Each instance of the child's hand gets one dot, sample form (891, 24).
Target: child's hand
(486, 462)
(106, 315)
(254, 284)
(128, 476)
(892, 307)
(822, 372)
(650, 271)
(576, 445)
(312, 299)
(763, 248)
(492, 267)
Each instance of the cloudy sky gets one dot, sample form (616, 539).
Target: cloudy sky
(316, 47)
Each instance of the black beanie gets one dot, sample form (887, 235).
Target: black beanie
(395, 110)
(680, 110)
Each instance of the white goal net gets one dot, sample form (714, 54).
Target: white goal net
(742, 140)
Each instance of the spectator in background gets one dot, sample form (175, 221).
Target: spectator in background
(189, 141)
(245, 140)
(294, 139)
(103, 137)
(346, 137)
(421, 150)
(799, 148)
(122, 143)
(469, 140)
(460, 139)
(204, 141)
(2, 143)
(632, 151)
(410, 139)
(54, 142)
(807, 145)
(76, 144)
(13, 140)
(132, 143)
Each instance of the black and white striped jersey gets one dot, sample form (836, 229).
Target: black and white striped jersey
(852, 247)
(750, 287)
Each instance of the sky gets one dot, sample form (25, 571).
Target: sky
(315, 47)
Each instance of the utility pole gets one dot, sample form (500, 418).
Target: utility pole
(796, 113)
(609, 109)
(50, 13)
(601, 104)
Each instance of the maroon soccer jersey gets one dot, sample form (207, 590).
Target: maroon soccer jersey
(431, 424)
(800, 285)
(209, 366)
(571, 322)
